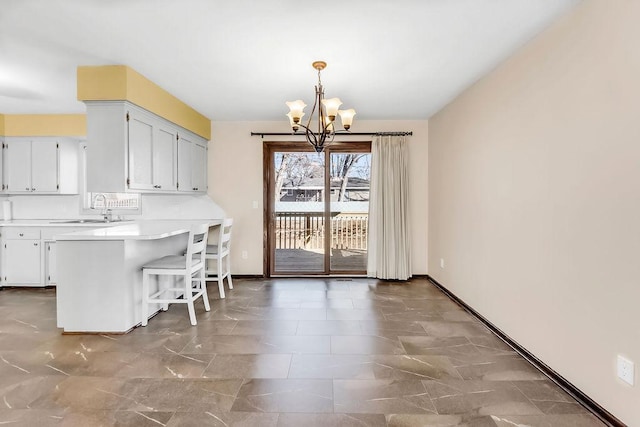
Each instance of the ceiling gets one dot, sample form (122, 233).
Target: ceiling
(242, 59)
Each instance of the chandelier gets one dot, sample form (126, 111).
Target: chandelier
(327, 110)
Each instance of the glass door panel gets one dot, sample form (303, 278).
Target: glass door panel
(349, 208)
(298, 214)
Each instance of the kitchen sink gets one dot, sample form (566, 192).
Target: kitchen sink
(84, 221)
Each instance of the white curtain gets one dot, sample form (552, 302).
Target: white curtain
(389, 243)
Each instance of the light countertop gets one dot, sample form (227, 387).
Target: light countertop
(138, 230)
(60, 223)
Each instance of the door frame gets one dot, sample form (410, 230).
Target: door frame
(268, 149)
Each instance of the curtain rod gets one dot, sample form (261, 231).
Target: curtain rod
(263, 134)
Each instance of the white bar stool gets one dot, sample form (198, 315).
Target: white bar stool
(221, 254)
(191, 266)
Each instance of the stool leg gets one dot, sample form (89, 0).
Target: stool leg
(229, 271)
(220, 278)
(167, 280)
(188, 294)
(145, 297)
(203, 285)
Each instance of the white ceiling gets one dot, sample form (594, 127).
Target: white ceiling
(242, 59)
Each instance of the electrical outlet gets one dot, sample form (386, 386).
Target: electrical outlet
(245, 255)
(625, 370)
(441, 262)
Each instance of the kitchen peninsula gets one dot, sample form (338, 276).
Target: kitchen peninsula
(100, 272)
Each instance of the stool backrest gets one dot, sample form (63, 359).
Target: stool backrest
(197, 245)
(224, 238)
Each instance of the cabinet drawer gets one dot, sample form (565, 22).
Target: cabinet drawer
(21, 233)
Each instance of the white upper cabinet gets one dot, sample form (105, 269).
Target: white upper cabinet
(18, 166)
(132, 149)
(192, 166)
(140, 133)
(199, 174)
(43, 165)
(1, 164)
(165, 158)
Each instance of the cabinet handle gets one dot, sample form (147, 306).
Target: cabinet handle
(35, 244)
(21, 234)
(33, 189)
(27, 189)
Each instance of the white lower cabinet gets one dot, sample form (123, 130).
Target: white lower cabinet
(50, 268)
(28, 255)
(22, 262)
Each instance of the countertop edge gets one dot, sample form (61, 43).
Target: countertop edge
(139, 230)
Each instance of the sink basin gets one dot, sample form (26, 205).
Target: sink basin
(84, 221)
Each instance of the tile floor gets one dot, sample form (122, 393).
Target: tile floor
(281, 352)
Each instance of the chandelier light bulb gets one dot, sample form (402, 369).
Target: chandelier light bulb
(293, 122)
(328, 125)
(331, 106)
(347, 117)
(296, 109)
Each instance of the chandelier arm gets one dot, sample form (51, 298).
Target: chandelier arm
(313, 109)
(326, 143)
(311, 137)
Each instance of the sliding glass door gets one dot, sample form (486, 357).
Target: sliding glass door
(298, 212)
(317, 208)
(349, 210)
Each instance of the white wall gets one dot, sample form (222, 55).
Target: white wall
(178, 206)
(236, 182)
(534, 195)
(44, 207)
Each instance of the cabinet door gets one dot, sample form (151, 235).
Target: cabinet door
(17, 158)
(199, 165)
(4, 184)
(51, 273)
(184, 165)
(164, 158)
(140, 153)
(22, 262)
(44, 166)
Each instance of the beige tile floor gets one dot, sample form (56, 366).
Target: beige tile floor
(285, 352)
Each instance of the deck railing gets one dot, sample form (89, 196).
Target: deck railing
(302, 230)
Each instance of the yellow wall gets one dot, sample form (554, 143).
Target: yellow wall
(121, 83)
(43, 124)
(534, 200)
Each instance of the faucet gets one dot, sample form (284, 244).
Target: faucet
(106, 212)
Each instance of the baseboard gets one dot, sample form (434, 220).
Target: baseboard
(588, 403)
(248, 276)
